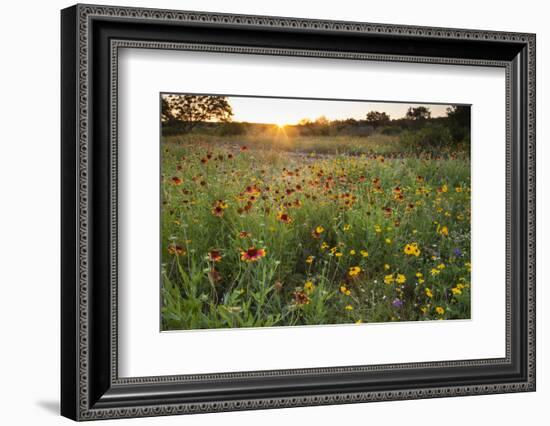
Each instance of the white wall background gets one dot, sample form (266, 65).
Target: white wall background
(29, 211)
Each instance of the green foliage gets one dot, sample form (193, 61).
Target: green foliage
(390, 130)
(458, 121)
(431, 138)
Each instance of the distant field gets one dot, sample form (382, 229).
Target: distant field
(311, 230)
(319, 144)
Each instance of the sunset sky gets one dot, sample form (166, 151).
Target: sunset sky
(291, 111)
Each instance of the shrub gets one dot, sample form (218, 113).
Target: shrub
(390, 130)
(231, 129)
(431, 138)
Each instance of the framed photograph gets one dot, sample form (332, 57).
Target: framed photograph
(263, 212)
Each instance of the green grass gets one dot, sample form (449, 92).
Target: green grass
(334, 145)
(365, 203)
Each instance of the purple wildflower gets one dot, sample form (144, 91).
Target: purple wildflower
(397, 303)
(457, 252)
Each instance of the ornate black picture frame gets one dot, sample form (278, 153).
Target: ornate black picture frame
(91, 37)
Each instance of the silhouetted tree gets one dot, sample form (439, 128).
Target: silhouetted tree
(189, 110)
(166, 115)
(418, 113)
(458, 119)
(377, 119)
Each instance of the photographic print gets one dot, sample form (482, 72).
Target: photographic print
(301, 212)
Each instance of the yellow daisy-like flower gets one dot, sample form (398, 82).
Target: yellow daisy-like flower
(441, 266)
(439, 310)
(338, 254)
(443, 230)
(316, 233)
(364, 253)
(388, 279)
(412, 249)
(377, 229)
(401, 279)
(348, 308)
(423, 309)
(388, 241)
(309, 259)
(309, 286)
(386, 266)
(429, 293)
(354, 271)
(456, 291)
(352, 252)
(434, 272)
(324, 246)
(345, 290)
(419, 275)
(347, 228)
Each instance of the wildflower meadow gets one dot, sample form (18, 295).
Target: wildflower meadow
(284, 229)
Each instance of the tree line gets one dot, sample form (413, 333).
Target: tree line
(181, 114)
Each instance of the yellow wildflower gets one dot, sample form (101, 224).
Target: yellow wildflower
(443, 230)
(388, 279)
(364, 253)
(401, 279)
(439, 310)
(345, 290)
(412, 249)
(309, 259)
(354, 270)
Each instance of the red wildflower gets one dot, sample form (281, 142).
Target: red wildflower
(253, 254)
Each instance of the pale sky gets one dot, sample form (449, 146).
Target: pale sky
(291, 111)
